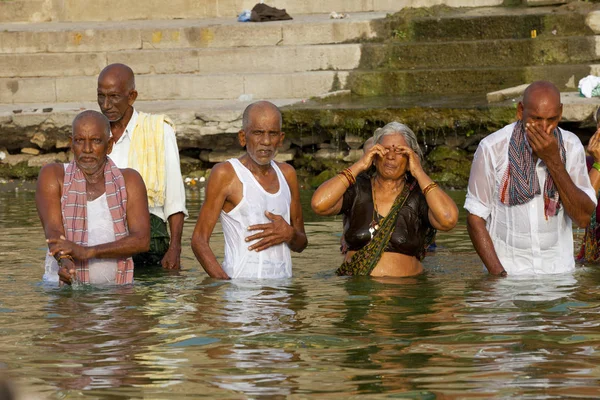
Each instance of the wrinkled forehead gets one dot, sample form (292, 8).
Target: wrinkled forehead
(113, 81)
(266, 119)
(393, 139)
(90, 127)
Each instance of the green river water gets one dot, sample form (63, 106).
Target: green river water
(451, 333)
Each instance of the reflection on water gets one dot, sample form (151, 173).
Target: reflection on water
(453, 332)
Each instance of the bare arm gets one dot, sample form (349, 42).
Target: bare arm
(47, 200)
(328, 198)
(174, 207)
(483, 245)
(279, 231)
(594, 150)
(217, 191)
(172, 258)
(138, 224)
(443, 213)
(577, 204)
(298, 241)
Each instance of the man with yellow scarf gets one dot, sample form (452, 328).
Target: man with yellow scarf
(146, 143)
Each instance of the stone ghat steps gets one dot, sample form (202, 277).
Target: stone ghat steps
(481, 53)
(301, 85)
(473, 25)
(463, 81)
(111, 10)
(486, 23)
(185, 61)
(332, 57)
(221, 59)
(272, 85)
(77, 37)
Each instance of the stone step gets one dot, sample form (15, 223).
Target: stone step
(111, 10)
(484, 53)
(462, 81)
(298, 84)
(77, 37)
(283, 59)
(279, 59)
(178, 86)
(490, 23)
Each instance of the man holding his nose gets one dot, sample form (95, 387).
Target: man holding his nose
(528, 184)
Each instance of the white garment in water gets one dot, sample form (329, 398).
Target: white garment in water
(100, 231)
(274, 262)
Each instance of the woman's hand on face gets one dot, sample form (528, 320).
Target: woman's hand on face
(414, 164)
(594, 146)
(369, 157)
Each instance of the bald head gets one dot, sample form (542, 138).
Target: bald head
(120, 73)
(541, 91)
(541, 106)
(91, 117)
(259, 108)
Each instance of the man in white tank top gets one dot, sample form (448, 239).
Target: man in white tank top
(94, 215)
(258, 202)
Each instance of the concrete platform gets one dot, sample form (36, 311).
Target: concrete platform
(107, 10)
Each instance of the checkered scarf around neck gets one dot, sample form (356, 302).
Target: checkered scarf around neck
(74, 213)
(520, 181)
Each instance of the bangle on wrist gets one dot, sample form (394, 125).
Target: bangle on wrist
(345, 182)
(429, 188)
(347, 173)
(596, 166)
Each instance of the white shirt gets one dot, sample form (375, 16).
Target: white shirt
(525, 241)
(175, 191)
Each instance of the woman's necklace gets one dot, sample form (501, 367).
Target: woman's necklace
(374, 225)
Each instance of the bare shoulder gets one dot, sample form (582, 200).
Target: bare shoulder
(222, 173)
(288, 171)
(131, 175)
(52, 172)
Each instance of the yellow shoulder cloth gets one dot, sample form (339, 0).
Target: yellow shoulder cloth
(147, 155)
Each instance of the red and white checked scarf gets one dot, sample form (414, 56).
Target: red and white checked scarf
(74, 213)
(520, 181)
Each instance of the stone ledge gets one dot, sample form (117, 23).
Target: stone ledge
(506, 94)
(110, 10)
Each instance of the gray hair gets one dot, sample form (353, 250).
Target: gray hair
(396, 128)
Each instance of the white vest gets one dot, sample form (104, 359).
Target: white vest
(272, 263)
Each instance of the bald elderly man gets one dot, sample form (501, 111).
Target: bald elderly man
(528, 184)
(95, 215)
(146, 143)
(258, 202)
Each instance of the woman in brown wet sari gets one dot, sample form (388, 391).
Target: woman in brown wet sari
(392, 214)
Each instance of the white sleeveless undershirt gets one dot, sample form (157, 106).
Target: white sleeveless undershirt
(100, 231)
(274, 262)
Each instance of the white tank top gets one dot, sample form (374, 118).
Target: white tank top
(100, 231)
(272, 263)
